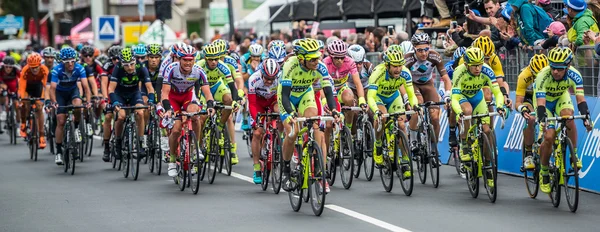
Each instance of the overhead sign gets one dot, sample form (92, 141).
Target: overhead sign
(132, 32)
(219, 14)
(108, 28)
(155, 33)
(11, 21)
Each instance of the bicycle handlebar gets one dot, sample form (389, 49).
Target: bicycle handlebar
(409, 112)
(563, 118)
(432, 103)
(304, 119)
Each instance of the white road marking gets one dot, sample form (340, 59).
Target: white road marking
(96, 137)
(242, 177)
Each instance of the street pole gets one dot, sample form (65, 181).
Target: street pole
(162, 28)
(36, 18)
(230, 11)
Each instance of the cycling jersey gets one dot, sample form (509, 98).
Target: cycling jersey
(33, 85)
(182, 83)
(49, 70)
(422, 71)
(385, 89)
(217, 75)
(550, 89)
(467, 87)
(153, 75)
(129, 82)
(246, 61)
(108, 68)
(525, 83)
(493, 62)
(10, 79)
(165, 62)
(340, 75)
(260, 95)
(93, 70)
(449, 68)
(232, 65)
(365, 73)
(67, 81)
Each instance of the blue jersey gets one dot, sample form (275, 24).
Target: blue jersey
(245, 62)
(67, 81)
(449, 68)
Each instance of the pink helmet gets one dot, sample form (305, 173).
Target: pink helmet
(337, 48)
(2, 55)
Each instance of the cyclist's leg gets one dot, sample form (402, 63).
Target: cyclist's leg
(565, 108)
(62, 98)
(308, 108)
(429, 94)
(225, 118)
(529, 135)
(466, 105)
(397, 105)
(546, 147)
(346, 97)
(173, 146)
(257, 134)
(413, 123)
(25, 108)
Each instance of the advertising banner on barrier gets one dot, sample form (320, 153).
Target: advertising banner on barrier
(510, 139)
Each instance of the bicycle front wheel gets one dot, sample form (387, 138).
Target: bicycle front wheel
(134, 151)
(346, 158)
(317, 181)
(386, 171)
(296, 195)
(434, 158)
(214, 154)
(194, 162)
(72, 144)
(125, 153)
(331, 160)
(571, 175)
(532, 176)
(489, 166)
(276, 162)
(368, 143)
(403, 164)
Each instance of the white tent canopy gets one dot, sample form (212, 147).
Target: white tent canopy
(261, 13)
(14, 44)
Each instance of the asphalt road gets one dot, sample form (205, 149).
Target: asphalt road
(38, 196)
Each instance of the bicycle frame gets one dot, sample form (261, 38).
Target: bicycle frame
(474, 133)
(269, 126)
(306, 153)
(561, 135)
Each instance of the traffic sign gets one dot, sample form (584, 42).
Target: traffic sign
(11, 21)
(108, 28)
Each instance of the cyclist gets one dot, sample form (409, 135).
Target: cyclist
(296, 97)
(152, 63)
(93, 70)
(421, 64)
(262, 90)
(384, 96)
(241, 83)
(363, 66)
(9, 74)
(251, 60)
(67, 80)
(468, 99)
(553, 99)
(407, 47)
(218, 75)
(180, 80)
(49, 55)
(450, 66)
(277, 51)
(140, 53)
(31, 84)
(114, 52)
(168, 59)
(124, 90)
(524, 103)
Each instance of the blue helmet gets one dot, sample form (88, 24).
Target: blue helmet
(459, 52)
(277, 53)
(67, 53)
(140, 50)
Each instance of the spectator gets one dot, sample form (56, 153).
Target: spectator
(216, 36)
(493, 10)
(351, 39)
(554, 31)
(426, 21)
(331, 38)
(337, 34)
(552, 12)
(247, 42)
(376, 38)
(506, 26)
(581, 19)
(444, 11)
(465, 35)
(298, 29)
(360, 39)
(198, 43)
(532, 21)
(287, 38)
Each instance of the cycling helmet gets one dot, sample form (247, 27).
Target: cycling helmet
(308, 48)
(67, 53)
(537, 63)
(9, 60)
(154, 49)
(321, 44)
(126, 55)
(34, 60)
(87, 51)
(278, 53)
(140, 50)
(211, 51)
(485, 44)
(407, 47)
(49, 52)
(394, 57)
(224, 45)
(357, 53)
(276, 43)
(420, 38)
(102, 58)
(255, 50)
(458, 53)
(187, 52)
(560, 57)
(337, 48)
(270, 68)
(79, 47)
(176, 47)
(114, 51)
(473, 56)
(395, 48)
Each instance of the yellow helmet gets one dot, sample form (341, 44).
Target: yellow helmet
(394, 57)
(473, 56)
(560, 57)
(308, 48)
(222, 45)
(212, 51)
(537, 62)
(485, 44)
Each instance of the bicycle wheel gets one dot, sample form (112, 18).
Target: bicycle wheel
(276, 162)
(134, 151)
(158, 152)
(214, 154)
(420, 162)
(296, 195)
(433, 157)
(194, 162)
(90, 141)
(227, 151)
(400, 146)
(125, 156)
(346, 158)
(151, 146)
(265, 163)
(554, 183)
(471, 177)
(248, 138)
(50, 133)
(487, 145)
(331, 160)
(571, 175)
(368, 144)
(13, 124)
(386, 172)
(74, 146)
(113, 152)
(83, 136)
(531, 177)
(316, 183)
(454, 153)
(66, 138)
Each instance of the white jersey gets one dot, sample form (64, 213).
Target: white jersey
(182, 83)
(257, 86)
(166, 62)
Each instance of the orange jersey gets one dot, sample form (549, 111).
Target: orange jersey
(27, 77)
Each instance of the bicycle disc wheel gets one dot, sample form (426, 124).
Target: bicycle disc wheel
(316, 181)
(487, 146)
(531, 177)
(386, 171)
(134, 152)
(400, 146)
(434, 159)
(331, 161)
(346, 158)
(215, 155)
(368, 144)
(296, 194)
(571, 175)
(276, 162)
(194, 162)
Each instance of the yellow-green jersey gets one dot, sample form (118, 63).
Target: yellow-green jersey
(220, 73)
(233, 67)
(383, 86)
(466, 87)
(546, 87)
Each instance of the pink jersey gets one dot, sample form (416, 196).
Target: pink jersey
(340, 75)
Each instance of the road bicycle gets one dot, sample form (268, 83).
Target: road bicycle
(130, 149)
(271, 164)
(31, 127)
(427, 146)
(72, 138)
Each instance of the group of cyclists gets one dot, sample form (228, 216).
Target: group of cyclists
(314, 80)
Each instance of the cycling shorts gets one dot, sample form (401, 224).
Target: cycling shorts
(65, 98)
(129, 99)
(180, 101)
(478, 104)
(393, 104)
(553, 108)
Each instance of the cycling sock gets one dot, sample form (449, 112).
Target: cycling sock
(544, 170)
(349, 125)
(453, 130)
(286, 166)
(106, 142)
(527, 148)
(256, 167)
(59, 148)
(172, 158)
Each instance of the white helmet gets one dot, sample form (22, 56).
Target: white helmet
(406, 46)
(357, 53)
(256, 50)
